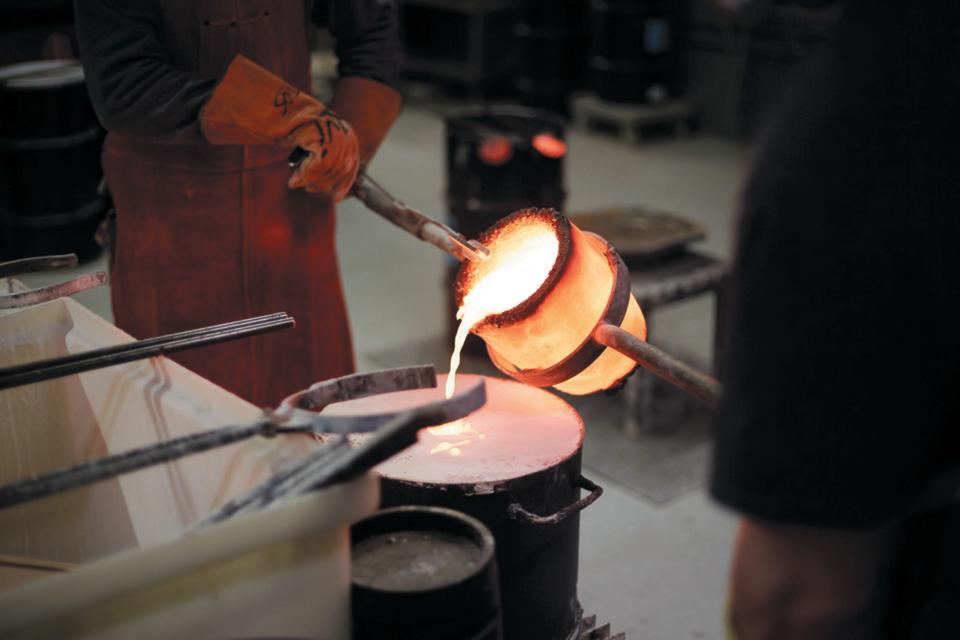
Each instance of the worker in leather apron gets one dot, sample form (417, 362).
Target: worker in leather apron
(203, 102)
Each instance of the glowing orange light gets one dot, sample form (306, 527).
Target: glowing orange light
(538, 299)
(461, 431)
(519, 263)
(549, 145)
(496, 150)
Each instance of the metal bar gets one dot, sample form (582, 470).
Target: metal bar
(38, 263)
(378, 200)
(115, 465)
(660, 363)
(31, 372)
(53, 291)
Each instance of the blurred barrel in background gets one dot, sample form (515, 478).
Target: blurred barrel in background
(50, 161)
(551, 46)
(632, 50)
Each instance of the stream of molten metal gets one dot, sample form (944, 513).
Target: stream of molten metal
(519, 263)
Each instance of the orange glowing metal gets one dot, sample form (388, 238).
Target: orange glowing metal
(496, 151)
(460, 429)
(518, 264)
(549, 145)
(539, 298)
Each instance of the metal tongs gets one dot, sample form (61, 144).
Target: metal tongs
(15, 300)
(335, 461)
(380, 201)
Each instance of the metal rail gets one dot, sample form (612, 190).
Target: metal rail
(31, 372)
(660, 363)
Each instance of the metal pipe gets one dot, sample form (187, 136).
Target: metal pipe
(31, 372)
(38, 263)
(52, 292)
(115, 465)
(660, 363)
(378, 200)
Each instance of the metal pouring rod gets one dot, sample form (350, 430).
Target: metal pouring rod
(38, 263)
(31, 372)
(31, 297)
(111, 466)
(378, 200)
(660, 363)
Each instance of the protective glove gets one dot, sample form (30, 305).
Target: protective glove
(250, 105)
(370, 106)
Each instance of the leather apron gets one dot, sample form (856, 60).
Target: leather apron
(208, 234)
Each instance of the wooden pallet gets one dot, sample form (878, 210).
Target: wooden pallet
(633, 122)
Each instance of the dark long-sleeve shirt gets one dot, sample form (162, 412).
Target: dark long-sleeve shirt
(141, 65)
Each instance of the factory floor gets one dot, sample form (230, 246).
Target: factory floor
(654, 550)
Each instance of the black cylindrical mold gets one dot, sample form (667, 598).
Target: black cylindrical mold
(50, 144)
(424, 573)
(550, 64)
(538, 563)
(551, 52)
(632, 53)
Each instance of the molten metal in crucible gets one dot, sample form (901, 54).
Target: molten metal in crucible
(554, 306)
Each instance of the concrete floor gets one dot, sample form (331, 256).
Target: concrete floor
(656, 570)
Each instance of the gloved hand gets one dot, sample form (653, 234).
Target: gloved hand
(334, 156)
(250, 105)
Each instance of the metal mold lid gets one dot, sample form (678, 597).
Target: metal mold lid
(521, 430)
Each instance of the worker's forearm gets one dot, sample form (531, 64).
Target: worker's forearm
(797, 583)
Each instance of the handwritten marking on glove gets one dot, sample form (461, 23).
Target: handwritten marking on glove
(285, 97)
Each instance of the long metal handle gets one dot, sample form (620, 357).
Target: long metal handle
(660, 363)
(517, 512)
(378, 200)
(111, 466)
(52, 292)
(38, 263)
(31, 372)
